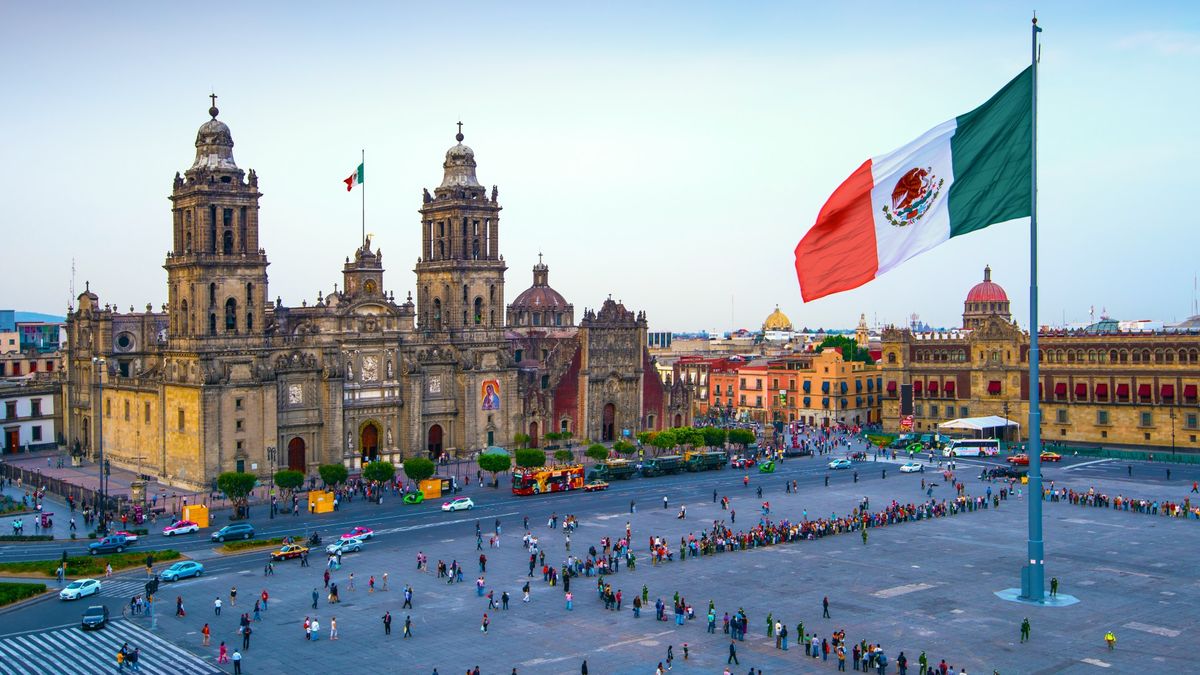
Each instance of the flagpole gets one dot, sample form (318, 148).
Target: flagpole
(363, 185)
(1033, 576)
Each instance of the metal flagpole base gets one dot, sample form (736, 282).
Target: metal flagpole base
(1059, 600)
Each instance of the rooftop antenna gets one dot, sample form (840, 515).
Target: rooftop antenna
(72, 298)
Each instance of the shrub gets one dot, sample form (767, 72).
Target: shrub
(333, 474)
(379, 471)
(418, 469)
(253, 543)
(288, 479)
(564, 455)
(87, 565)
(531, 458)
(597, 452)
(15, 592)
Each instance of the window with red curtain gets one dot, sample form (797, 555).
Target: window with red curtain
(1080, 390)
(994, 387)
(1123, 391)
(1144, 391)
(1167, 392)
(1102, 391)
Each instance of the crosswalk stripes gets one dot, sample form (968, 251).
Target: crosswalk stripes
(122, 589)
(72, 651)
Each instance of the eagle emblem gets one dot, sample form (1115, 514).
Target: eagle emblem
(914, 194)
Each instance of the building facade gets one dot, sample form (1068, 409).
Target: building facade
(224, 379)
(1099, 386)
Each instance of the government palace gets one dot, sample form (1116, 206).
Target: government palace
(225, 379)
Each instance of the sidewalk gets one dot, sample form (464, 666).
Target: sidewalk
(51, 504)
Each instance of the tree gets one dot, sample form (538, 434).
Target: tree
(333, 474)
(494, 463)
(714, 437)
(564, 455)
(688, 436)
(418, 468)
(380, 472)
(644, 437)
(288, 479)
(566, 436)
(521, 439)
(237, 487)
(742, 437)
(664, 440)
(597, 452)
(552, 438)
(624, 447)
(849, 348)
(531, 458)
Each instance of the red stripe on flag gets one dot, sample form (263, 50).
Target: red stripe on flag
(839, 252)
(350, 182)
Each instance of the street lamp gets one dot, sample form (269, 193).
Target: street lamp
(98, 365)
(271, 459)
(1171, 414)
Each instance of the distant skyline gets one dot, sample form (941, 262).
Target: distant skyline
(670, 155)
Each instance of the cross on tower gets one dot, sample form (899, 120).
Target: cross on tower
(460, 127)
(213, 97)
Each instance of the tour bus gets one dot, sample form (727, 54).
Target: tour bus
(547, 479)
(972, 447)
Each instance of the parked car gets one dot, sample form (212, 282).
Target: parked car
(79, 588)
(359, 532)
(113, 543)
(841, 463)
(182, 570)
(234, 531)
(289, 551)
(460, 504)
(95, 617)
(912, 467)
(353, 544)
(129, 536)
(180, 527)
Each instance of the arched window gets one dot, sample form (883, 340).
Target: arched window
(441, 250)
(227, 242)
(437, 313)
(249, 295)
(187, 248)
(183, 317)
(249, 321)
(212, 323)
(231, 315)
(475, 250)
(212, 294)
(478, 311)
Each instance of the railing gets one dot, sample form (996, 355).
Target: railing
(58, 486)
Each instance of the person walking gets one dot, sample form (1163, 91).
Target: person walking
(314, 598)
(1111, 640)
(407, 626)
(206, 632)
(408, 597)
(233, 596)
(483, 626)
(333, 634)
(732, 654)
(222, 653)
(825, 608)
(264, 597)
(315, 625)
(179, 613)
(246, 630)
(1025, 630)
(217, 606)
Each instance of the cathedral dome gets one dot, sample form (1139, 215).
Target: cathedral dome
(777, 321)
(460, 165)
(214, 145)
(987, 290)
(540, 305)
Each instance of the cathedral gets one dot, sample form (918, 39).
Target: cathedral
(222, 378)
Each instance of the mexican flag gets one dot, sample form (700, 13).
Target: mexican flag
(355, 178)
(960, 176)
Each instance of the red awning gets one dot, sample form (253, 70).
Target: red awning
(1143, 391)
(1080, 390)
(933, 387)
(891, 386)
(1102, 390)
(1060, 388)
(1189, 391)
(1123, 390)
(1167, 392)
(994, 387)
(917, 386)
(950, 387)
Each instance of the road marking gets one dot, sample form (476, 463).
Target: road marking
(1081, 464)
(1124, 572)
(1096, 662)
(1154, 630)
(425, 526)
(604, 648)
(902, 590)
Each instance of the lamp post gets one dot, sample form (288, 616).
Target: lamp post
(98, 366)
(271, 459)
(1171, 413)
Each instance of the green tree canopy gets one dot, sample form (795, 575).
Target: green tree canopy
(531, 458)
(237, 487)
(288, 479)
(597, 452)
(552, 437)
(494, 463)
(664, 440)
(714, 437)
(742, 437)
(689, 436)
(566, 436)
(521, 439)
(333, 474)
(418, 469)
(849, 348)
(564, 455)
(644, 437)
(379, 471)
(624, 447)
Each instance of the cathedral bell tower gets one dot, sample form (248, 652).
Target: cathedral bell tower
(460, 274)
(216, 272)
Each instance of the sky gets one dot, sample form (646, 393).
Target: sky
(669, 154)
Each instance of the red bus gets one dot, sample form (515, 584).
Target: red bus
(547, 479)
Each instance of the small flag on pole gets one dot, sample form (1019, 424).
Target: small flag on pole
(355, 178)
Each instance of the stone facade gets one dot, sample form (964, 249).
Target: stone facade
(223, 379)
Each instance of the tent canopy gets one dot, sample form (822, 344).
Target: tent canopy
(978, 423)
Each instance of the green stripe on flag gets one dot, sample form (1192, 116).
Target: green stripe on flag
(993, 159)
(359, 178)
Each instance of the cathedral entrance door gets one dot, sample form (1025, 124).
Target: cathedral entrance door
(435, 442)
(609, 423)
(533, 434)
(369, 442)
(678, 420)
(295, 456)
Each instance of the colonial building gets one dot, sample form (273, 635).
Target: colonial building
(1098, 385)
(223, 379)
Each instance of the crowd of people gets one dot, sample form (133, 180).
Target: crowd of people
(1153, 507)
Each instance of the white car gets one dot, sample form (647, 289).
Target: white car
(462, 503)
(180, 527)
(79, 588)
(841, 464)
(912, 467)
(354, 544)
